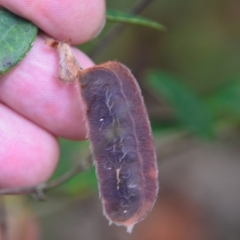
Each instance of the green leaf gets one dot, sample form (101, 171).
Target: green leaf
(226, 101)
(117, 16)
(16, 38)
(189, 109)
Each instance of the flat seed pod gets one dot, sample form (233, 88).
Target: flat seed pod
(121, 142)
(120, 136)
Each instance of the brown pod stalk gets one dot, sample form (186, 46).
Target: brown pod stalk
(120, 137)
(121, 141)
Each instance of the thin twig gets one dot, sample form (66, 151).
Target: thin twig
(39, 190)
(117, 30)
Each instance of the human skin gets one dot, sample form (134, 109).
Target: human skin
(35, 106)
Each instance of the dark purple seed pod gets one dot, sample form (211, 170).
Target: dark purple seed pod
(120, 136)
(121, 142)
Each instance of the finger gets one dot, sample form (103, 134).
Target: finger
(79, 20)
(28, 153)
(34, 90)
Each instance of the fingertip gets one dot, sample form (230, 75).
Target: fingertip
(28, 153)
(75, 19)
(34, 90)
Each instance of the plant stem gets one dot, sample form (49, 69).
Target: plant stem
(39, 190)
(117, 30)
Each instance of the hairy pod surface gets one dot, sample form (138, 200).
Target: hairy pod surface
(120, 136)
(121, 142)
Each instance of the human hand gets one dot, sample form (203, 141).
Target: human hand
(35, 106)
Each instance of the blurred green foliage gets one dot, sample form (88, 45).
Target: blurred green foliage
(188, 107)
(71, 154)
